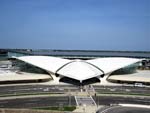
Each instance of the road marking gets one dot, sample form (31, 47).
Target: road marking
(105, 111)
(76, 100)
(81, 100)
(135, 105)
(142, 100)
(93, 101)
(20, 90)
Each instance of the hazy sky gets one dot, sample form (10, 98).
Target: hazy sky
(75, 24)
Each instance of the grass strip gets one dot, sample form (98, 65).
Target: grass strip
(25, 94)
(136, 94)
(60, 108)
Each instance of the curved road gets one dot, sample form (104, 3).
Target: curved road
(120, 109)
(108, 100)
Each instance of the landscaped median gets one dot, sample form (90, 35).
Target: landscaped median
(57, 108)
(35, 110)
(122, 94)
(30, 94)
(58, 93)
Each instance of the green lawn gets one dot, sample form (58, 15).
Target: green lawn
(28, 94)
(122, 93)
(64, 108)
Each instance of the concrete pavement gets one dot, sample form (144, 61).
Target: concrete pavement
(86, 109)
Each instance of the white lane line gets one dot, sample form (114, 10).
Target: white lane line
(142, 100)
(93, 100)
(20, 90)
(105, 111)
(76, 100)
(135, 105)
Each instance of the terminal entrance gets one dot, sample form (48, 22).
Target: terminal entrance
(78, 83)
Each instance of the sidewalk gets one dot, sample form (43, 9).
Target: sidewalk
(86, 109)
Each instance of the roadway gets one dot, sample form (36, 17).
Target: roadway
(121, 109)
(37, 89)
(71, 88)
(111, 100)
(122, 89)
(37, 102)
(66, 100)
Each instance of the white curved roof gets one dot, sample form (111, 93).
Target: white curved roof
(45, 62)
(114, 63)
(78, 69)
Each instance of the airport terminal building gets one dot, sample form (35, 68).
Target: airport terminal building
(80, 70)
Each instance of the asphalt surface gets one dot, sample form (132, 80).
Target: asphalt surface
(37, 102)
(122, 89)
(110, 100)
(37, 89)
(66, 100)
(120, 109)
(71, 88)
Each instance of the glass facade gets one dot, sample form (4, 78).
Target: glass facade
(22, 66)
(11, 54)
(126, 70)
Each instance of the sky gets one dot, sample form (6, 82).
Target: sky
(75, 24)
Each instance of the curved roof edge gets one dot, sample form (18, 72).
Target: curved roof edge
(53, 64)
(109, 65)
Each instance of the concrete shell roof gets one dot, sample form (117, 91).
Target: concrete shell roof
(51, 64)
(111, 64)
(78, 69)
